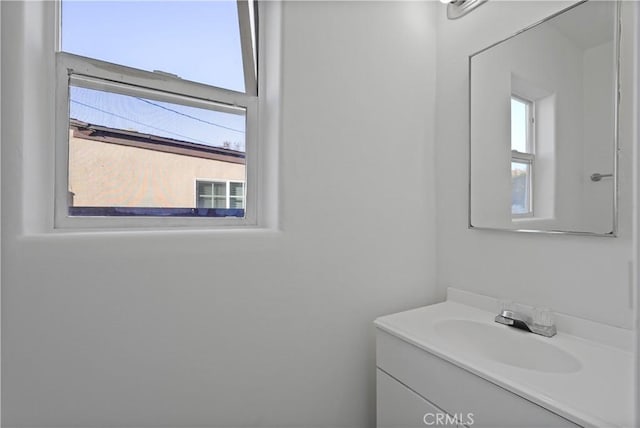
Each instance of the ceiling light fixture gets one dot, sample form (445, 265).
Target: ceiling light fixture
(459, 8)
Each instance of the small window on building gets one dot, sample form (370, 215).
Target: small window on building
(220, 194)
(522, 157)
(150, 97)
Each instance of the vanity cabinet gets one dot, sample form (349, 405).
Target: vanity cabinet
(413, 382)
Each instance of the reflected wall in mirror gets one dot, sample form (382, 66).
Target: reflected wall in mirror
(543, 121)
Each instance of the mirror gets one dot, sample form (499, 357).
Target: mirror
(543, 126)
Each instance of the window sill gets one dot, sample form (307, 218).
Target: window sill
(250, 232)
(531, 219)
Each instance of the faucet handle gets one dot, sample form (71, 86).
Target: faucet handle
(543, 317)
(505, 305)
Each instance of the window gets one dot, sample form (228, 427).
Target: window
(150, 97)
(220, 194)
(522, 156)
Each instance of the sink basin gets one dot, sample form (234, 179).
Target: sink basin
(507, 345)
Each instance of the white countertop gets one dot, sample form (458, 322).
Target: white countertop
(599, 394)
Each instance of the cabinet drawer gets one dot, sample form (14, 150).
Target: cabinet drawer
(457, 391)
(399, 407)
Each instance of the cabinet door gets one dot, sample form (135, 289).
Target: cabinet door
(400, 407)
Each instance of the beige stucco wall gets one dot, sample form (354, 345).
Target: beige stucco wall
(107, 175)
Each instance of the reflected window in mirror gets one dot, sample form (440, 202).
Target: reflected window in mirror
(522, 156)
(542, 119)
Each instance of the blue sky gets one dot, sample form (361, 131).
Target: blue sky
(196, 40)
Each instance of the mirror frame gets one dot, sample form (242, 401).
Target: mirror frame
(616, 149)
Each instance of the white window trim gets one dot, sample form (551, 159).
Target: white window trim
(524, 158)
(247, 20)
(528, 157)
(257, 193)
(34, 169)
(530, 112)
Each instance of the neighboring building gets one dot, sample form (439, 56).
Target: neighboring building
(121, 168)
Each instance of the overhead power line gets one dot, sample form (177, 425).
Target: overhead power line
(139, 123)
(189, 116)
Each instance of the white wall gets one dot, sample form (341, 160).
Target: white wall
(636, 219)
(598, 66)
(583, 276)
(235, 329)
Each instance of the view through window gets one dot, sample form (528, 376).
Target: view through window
(136, 149)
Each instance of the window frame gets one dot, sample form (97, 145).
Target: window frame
(529, 188)
(527, 157)
(174, 89)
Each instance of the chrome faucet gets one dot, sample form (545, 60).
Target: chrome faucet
(524, 322)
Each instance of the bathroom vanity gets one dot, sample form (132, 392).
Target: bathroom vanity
(450, 364)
